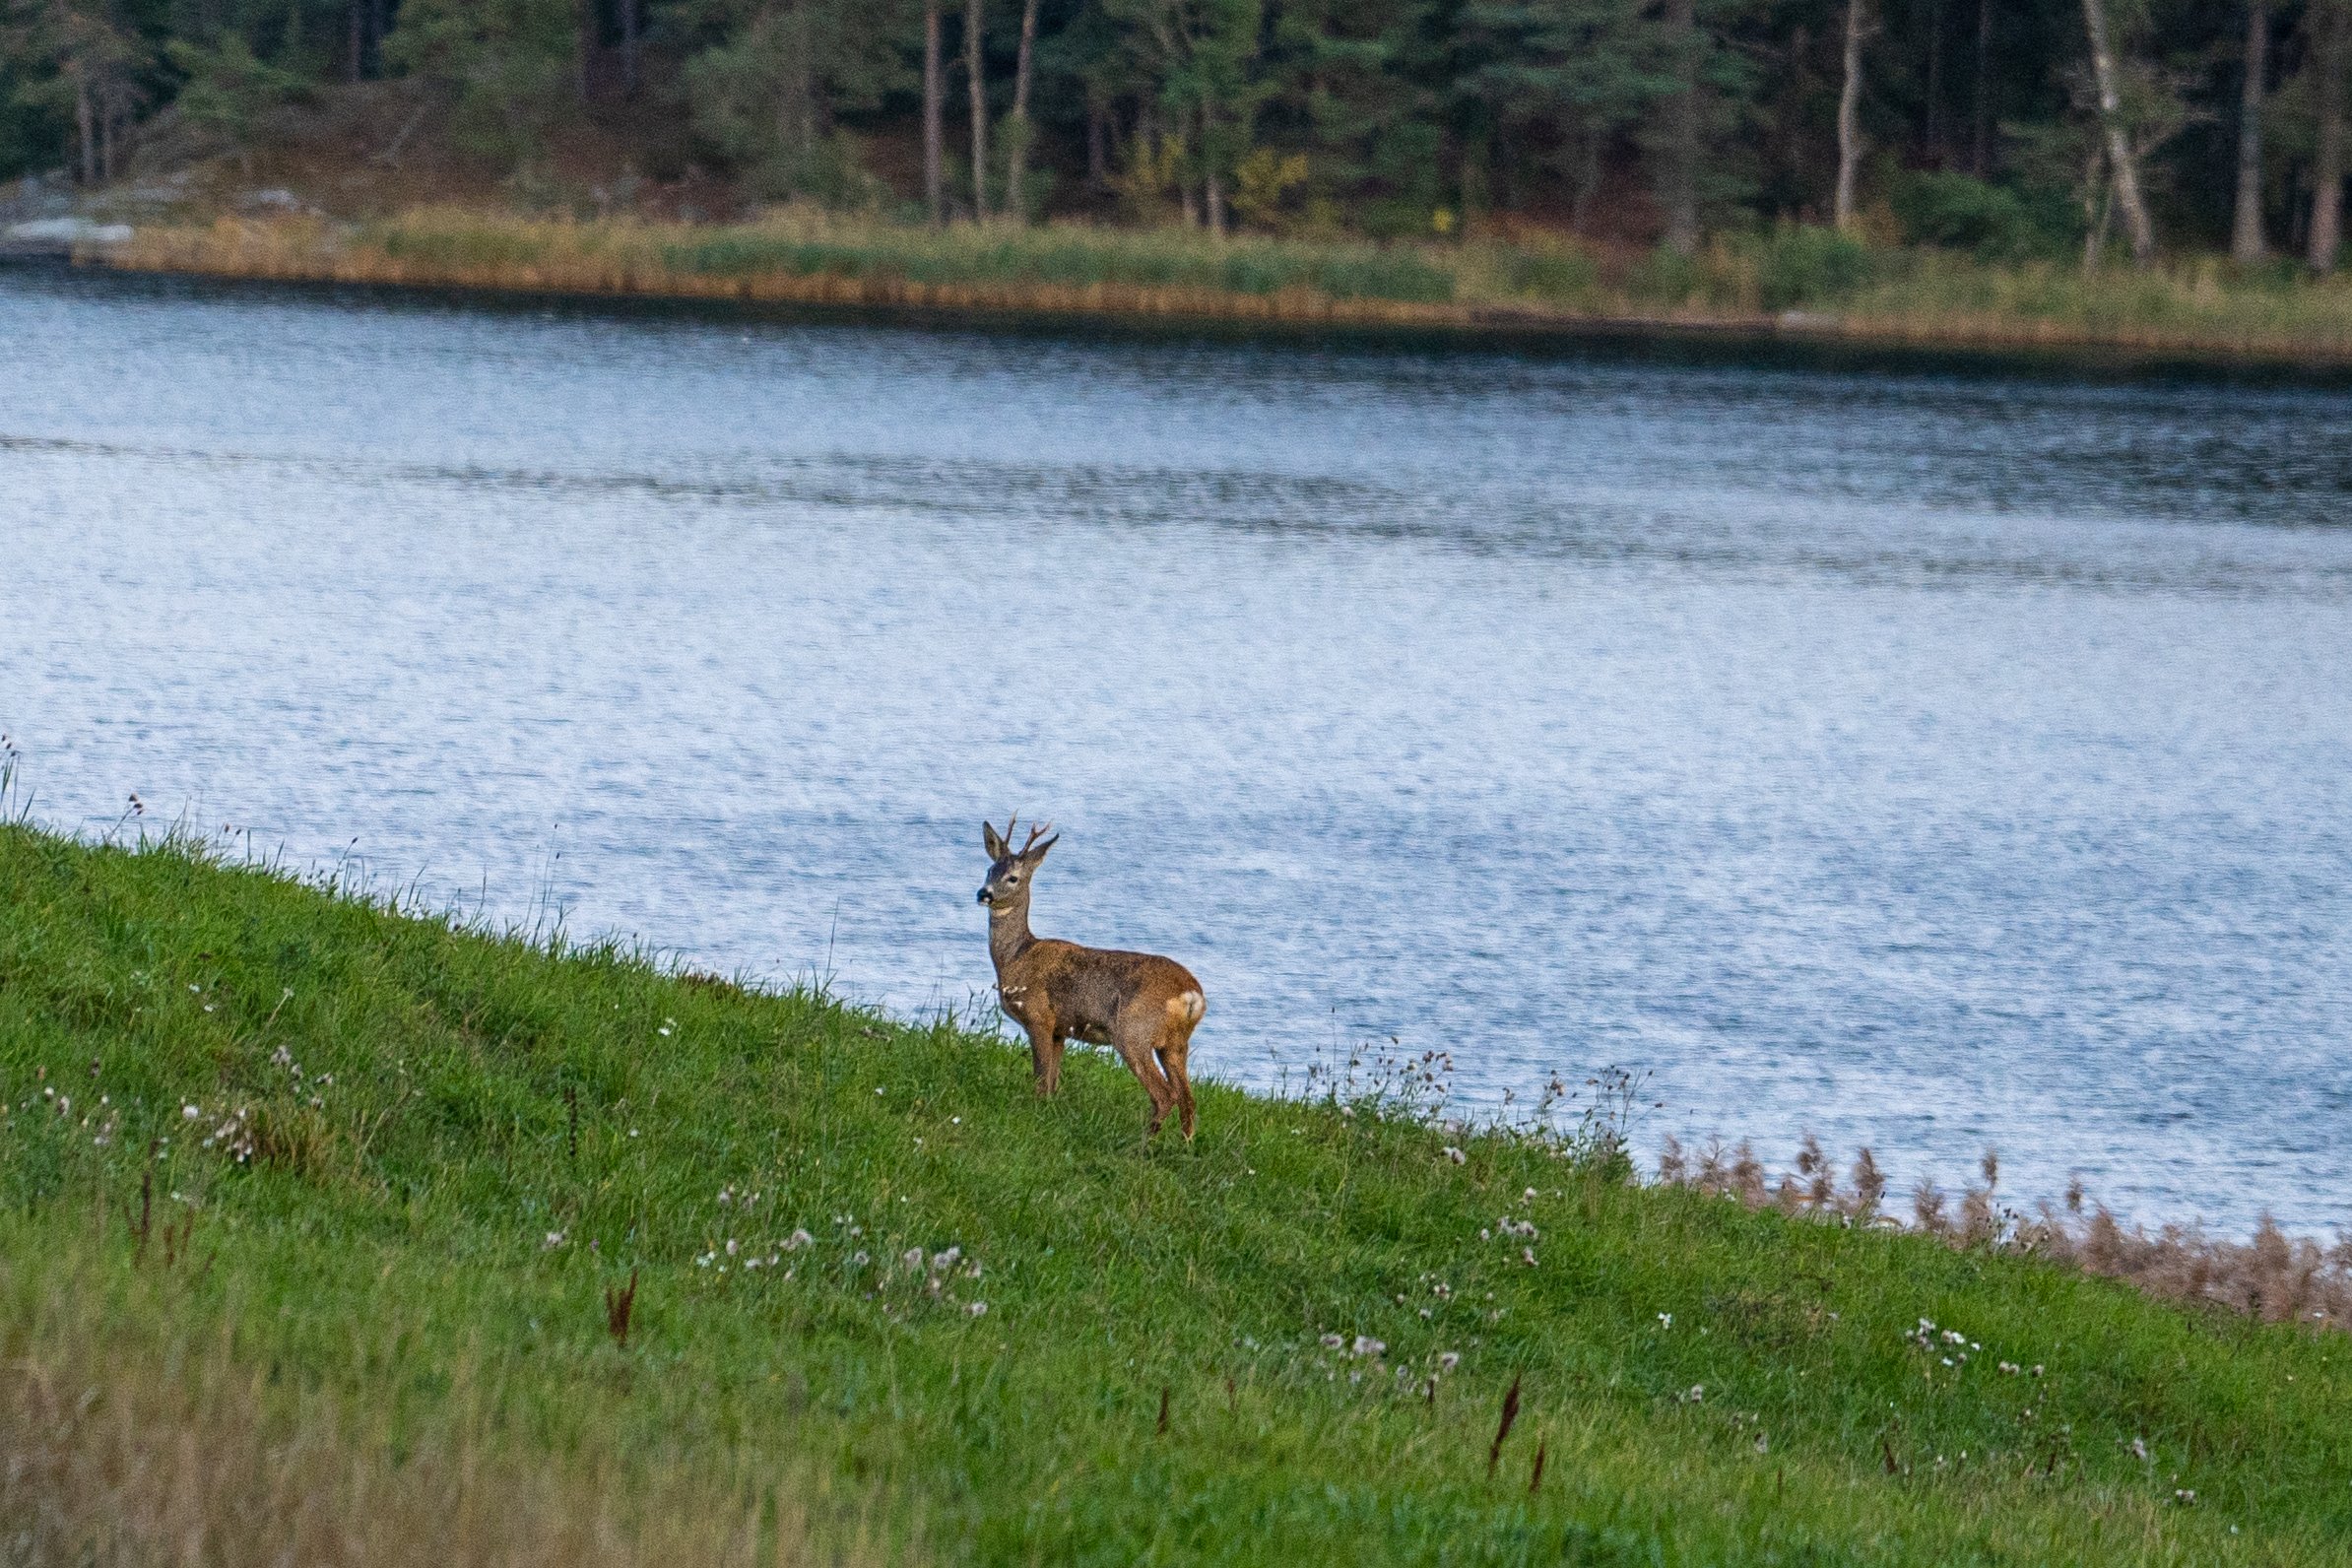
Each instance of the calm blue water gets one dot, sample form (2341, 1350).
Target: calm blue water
(1927, 759)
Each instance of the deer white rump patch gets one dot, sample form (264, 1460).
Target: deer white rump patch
(1185, 1007)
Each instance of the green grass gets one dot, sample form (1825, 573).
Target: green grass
(385, 1248)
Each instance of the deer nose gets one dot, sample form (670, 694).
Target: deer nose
(984, 895)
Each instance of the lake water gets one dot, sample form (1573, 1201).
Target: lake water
(1925, 757)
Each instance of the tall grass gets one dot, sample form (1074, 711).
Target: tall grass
(1809, 281)
(359, 1190)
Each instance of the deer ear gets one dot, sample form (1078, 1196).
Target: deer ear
(991, 841)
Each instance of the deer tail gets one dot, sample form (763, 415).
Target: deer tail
(1185, 1007)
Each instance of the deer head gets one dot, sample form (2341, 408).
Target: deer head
(1007, 884)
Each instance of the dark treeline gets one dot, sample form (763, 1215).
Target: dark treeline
(2014, 127)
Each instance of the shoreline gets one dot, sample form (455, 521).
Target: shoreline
(307, 254)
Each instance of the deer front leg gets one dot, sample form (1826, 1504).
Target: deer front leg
(1045, 1059)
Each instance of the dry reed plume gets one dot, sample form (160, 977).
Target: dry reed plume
(2274, 1277)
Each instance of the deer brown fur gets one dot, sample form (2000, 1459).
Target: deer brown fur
(1138, 1004)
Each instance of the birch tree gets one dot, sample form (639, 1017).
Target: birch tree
(973, 23)
(2123, 159)
(1850, 113)
(1017, 129)
(934, 193)
(2246, 229)
(2331, 20)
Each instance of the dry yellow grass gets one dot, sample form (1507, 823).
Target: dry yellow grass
(1742, 285)
(118, 1450)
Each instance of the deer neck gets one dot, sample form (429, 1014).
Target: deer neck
(1009, 932)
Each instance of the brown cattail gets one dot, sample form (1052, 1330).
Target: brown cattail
(1494, 1454)
(1536, 1477)
(1164, 1410)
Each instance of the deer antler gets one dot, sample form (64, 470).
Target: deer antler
(1035, 833)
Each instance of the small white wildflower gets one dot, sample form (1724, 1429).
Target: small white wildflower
(554, 1239)
(913, 1257)
(955, 1121)
(1331, 1341)
(1448, 1360)
(1666, 1320)
(2139, 1448)
(1526, 1255)
(189, 1113)
(1697, 1394)
(731, 1246)
(1527, 1197)
(859, 1258)
(948, 1258)
(977, 1309)
(1365, 1345)
(797, 1240)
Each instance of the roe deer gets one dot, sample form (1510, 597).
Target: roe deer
(1141, 1005)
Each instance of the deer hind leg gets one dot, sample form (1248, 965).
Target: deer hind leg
(1175, 1045)
(1135, 1046)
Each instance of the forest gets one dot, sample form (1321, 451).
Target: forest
(2012, 129)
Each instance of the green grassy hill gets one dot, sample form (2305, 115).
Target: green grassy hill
(392, 1170)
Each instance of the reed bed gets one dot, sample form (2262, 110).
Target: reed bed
(2270, 1276)
(1795, 282)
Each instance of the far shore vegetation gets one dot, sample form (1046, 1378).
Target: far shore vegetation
(1798, 281)
(2163, 178)
(342, 1234)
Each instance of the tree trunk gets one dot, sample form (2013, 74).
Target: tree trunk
(1936, 32)
(586, 50)
(357, 17)
(1213, 186)
(2246, 234)
(934, 131)
(1849, 119)
(1981, 150)
(1678, 185)
(1017, 157)
(2328, 167)
(2123, 164)
(85, 124)
(1098, 142)
(972, 24)
(632, 28)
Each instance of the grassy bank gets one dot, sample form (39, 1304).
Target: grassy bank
(1803, 282)
(289, 1174)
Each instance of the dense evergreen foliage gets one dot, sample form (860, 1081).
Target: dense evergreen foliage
(1980, 124)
